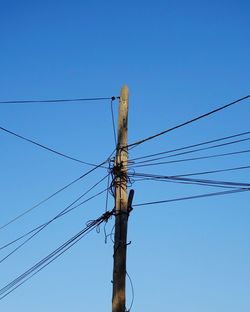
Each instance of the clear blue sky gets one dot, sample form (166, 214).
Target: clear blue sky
(180, 59)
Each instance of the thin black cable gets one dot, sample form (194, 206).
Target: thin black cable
(197, 173)
(211, 171)
(46, 147)
(58, 100)
(187, 122)
(229, 183)
(107, 195)
(190, 146)
(132, 290)
(113, 120)
(192, 197)
(52, 256)
(52, 195)
(200, 181)
(191, 159)
(48, 222)
(193, 151)
(41, 268)
(60, 214)
(209, 183)
(187, 183)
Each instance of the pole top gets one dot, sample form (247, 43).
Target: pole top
(124, 92)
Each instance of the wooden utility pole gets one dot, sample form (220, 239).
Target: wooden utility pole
(121, 206)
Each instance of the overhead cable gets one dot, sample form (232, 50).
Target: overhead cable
(51, 196)
(59, 100)
(45, 224)
(192, 197)
(38, 229)
(190, 146)
(192, 159)
(188, 122)
(113, 121)
(194, 151)
(46, 147)
(184, 179)
(134, 174)
(212, 171)
(21, 279)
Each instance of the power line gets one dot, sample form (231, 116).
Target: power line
(132, 174)
(59, 100)
(60, 214)
(188, 122)
(194, 150)
(132, 292)
(201, 182)
(48, 222)
(188, 183)
(192, 197)
(21, 279)
(46, 147)
(190, 146)
(192, 159)
(52, 195)
(113, 120)
(212, 171)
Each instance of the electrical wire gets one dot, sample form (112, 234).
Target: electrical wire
(113, 121)
(188, 122)
(46, 147)
(190, 180)
(38, 229)
(186, 183)
(52, 195)
(192, 197)
(21, 279)
(134, 174)
(190, 146)
(212, 171)
(58, 100)
(192, 159)
(193, 151)
(54, 218)
(133, 292)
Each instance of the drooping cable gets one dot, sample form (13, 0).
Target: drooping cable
(188, 122)
(46, 147)
(132, 291)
